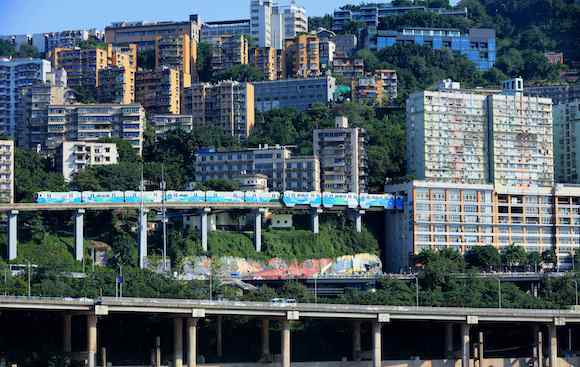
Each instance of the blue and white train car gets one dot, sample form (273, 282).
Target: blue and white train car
(71, 197)
(191, 197)
(367, 201)
(331, 199)
(103, 197)
(293, 198)
(232, 197)
(253, 197)
(148, 197)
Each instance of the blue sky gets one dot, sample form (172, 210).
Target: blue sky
(36, 16)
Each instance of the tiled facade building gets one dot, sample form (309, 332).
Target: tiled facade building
(229, 51)
(566, 142)
(162, 124)
(177, 52)
(6, 171)
(299, 94)
(158, 91)
(302, 56)
(74, 156)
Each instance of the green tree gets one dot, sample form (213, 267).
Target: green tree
(483, 258)
(32, 175)
(7, 49)
(514, 255)
(240, 73)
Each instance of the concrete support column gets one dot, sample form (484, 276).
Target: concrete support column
(553, 344)
(314, 220)
(79, 234)
(449, 340)
(356, 341)
(157, 352)
(219, 337)
(377, 344)
(258, 229)
(538, 347)
(286, 343)
(143, 237)
(191, 342)
(203, 227)
(480, 343)
(357, 218)
(67, 332)
(104, 357)
(265, 333)
(178, 342)
(465, 341)
(92, 340)
(13, 234)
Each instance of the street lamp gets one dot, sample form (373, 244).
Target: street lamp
(417, 289)
(499, 292)
(575, 291)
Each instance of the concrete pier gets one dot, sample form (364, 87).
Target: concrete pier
(12, 234)
(356, 341)
(143, 237)
(178, 342)
(219, 337)
(538, 346)
(315, 220)
(79, 234)
(553, 344)
(357, 216)
(203, 227)
(265, 333)
(465, 342)
(377, 344)
(258, 229)
(67, 333)
(448, 340)
(480, 345)
(191, 342)
(92, 340)
(285, 348)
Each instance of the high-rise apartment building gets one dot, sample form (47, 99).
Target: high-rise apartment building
(347, 67)
(559, 93)
(92, 122)
(566, 143)
(35, 99)
(82, 66)
(227, 105)
(267, 60)
(379, 88)
(342, 152)
(229, 51)
(480, 137)
(158, 91)
(69, 39)
(441, 215)
(284, 171)
(302, 56)
(212, 31)
(145, 34)
(74, 156)
(162, 124)
(6, 171)
(300, 94)
(177, 52)
(15, 75)
(116, 85)
(271, 24)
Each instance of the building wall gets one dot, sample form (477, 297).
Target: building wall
(177, 52)
(266, 60)
(158, 90)
(566, 144)
(6, 171)
(212, 31)
(144, 34)
(15, 75)
(116, 85)
(162, 124)
(299, 94)
(77, 155)
(302, 56)
(229, 51)
(82, 66)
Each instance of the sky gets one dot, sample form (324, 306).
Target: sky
(37, 16)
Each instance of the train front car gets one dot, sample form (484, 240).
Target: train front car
(294, 198)
(71, 197)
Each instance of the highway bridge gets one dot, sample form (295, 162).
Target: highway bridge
(188, 312)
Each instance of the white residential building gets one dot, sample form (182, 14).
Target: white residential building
(272, 23)
(15, 75)
(6, 171)
(74, 156)
(480, 136)
(162, 124)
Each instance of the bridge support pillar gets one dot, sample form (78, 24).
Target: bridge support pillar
(66, 331)
(258, 229)
(314, 220)
(219, 344)
(92, 340)
(286, 343)
(480, 343)
(449, 340)
(377, 344)
(538, 347)
(191, 342)
(203, 227)
(553, 336)
(13, 234)
(79, 234)
(143, 237)
(178, 342)
(265, 336)
(356, 341)
(157, 352)
(465, 342)
(357, 219)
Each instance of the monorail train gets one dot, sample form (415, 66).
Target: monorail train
(289, 199)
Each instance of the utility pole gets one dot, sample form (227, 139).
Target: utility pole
(417, 289)
(164, 217)
(499, 292)
(29, 290)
